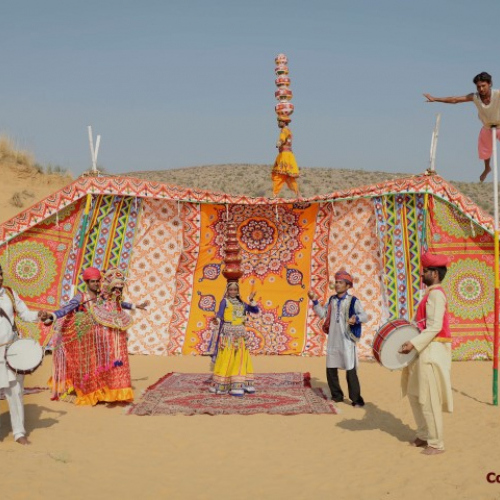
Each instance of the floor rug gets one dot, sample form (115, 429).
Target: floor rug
(277, 394)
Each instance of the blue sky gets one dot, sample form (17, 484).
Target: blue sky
(178, 83)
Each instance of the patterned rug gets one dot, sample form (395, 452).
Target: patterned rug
(277, 394)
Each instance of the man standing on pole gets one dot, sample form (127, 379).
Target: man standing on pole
(487, 101)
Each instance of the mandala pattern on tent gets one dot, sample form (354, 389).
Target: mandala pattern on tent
(269, 238)
(469, 281)
(454, 223)
(470, 289)
(31, 268)
(35, 262)
(271, 244)
(476, 349)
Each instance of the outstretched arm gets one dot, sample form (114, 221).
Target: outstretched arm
(449, 100)
(129, 306)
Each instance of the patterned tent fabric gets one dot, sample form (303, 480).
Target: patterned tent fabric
(469, 283)
(152, 271)
(400, 224)
(275, 248)
(36, 261)
(169, 241)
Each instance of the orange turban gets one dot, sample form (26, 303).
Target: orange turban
(344, 275)
(91, 273)
(430, 260)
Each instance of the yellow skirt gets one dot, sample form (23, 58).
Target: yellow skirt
(233, 367)
(286, 164)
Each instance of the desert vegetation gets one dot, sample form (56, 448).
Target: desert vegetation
(255, 180)
(24, 181)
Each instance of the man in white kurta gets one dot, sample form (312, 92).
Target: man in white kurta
(10, 383)
(427, 381)
(341, 349)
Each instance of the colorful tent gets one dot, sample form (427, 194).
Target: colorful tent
(169, 241)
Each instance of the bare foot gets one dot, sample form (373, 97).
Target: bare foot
(485, 173)
(432, 451)
(419, 443)
(22, 440)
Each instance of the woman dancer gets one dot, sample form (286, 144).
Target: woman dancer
(285, 169)
(233, 371)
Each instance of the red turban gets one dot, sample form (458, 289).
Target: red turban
(344, 275)
(91, 273)
(430, 260)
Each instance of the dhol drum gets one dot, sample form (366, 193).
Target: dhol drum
(389, 339)
(24, 356)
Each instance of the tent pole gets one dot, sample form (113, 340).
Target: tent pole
(497, 281)
(434, 140)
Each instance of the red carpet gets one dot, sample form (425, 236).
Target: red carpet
(277, 394)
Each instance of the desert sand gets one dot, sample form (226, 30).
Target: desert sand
(100, 452)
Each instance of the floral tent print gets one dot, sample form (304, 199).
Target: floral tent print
(469, 283)
(169, 241)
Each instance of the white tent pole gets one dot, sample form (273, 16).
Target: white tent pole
(96, 152)
(435, 135)
(92, 153)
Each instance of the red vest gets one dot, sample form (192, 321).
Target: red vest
(445, 334)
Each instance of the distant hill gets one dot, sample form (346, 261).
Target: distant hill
(25, 182)
(255, 180)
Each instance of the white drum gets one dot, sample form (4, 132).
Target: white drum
(24, 356)
(389, 339)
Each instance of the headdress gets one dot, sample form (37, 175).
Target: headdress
(430, 260)
(344, 275)
(91, 273)
(112, 278)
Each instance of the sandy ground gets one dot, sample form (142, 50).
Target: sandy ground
(29, 186)
(99, 452)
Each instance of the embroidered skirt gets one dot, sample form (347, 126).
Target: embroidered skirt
(233, 367)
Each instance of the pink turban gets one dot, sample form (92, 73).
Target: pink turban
(430, 260)
(91, 273)
(344, 275)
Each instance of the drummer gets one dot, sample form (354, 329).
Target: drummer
(343, 315)
(11, 384)
(426, 381)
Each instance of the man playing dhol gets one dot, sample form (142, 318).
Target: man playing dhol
(11, 383)
(426, 380)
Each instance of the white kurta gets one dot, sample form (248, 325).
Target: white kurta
(341, 351)
(431, 369)
(6, 333)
